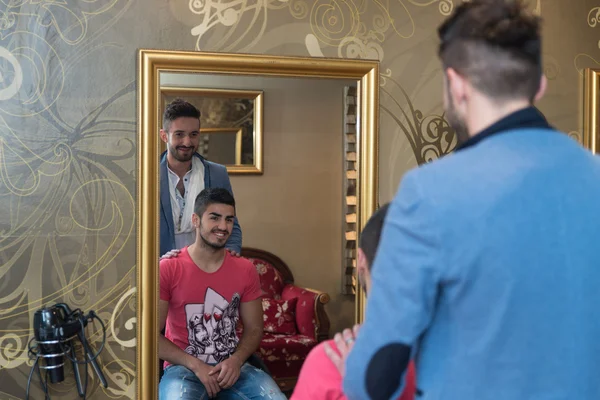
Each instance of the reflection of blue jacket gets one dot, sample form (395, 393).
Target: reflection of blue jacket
(215, 176)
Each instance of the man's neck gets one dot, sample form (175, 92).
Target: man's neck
(205, 257)
(484, 113)
(179, 167)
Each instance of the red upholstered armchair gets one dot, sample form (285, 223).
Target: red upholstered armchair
(294, 318)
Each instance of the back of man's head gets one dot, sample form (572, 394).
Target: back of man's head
(371, 233)
(176, 109)
(496, 45)
(212, 196)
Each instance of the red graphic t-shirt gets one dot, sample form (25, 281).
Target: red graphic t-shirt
(204, 307)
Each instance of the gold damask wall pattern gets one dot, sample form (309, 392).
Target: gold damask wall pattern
(67, 227)
(353, 29)
(68, 144)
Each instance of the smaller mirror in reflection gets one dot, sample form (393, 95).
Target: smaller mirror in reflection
(231, 125)
(223, 146)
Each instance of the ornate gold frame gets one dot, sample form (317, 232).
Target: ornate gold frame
(256, 95)
(150, 64)
(591, 102)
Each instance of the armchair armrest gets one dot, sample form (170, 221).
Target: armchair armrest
(311, 317)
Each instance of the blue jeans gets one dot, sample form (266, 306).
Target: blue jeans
(180, 383)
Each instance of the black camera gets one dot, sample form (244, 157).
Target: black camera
(55, 330)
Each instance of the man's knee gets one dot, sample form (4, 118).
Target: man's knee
(180, 383)
(259, 383)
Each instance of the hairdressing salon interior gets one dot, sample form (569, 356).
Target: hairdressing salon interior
(312, 148)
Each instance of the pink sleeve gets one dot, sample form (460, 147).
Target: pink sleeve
(165, 274)
(253, 290)
(319, 379)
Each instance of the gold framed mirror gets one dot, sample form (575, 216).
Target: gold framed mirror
(228, 139)
(591, 102)
(231, 123)
(365, 74)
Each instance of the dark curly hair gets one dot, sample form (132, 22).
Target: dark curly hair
(496, 45)
(176, 109)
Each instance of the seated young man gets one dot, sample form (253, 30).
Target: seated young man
(321, 374)
(204, 291)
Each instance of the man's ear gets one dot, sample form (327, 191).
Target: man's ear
(542, 90)
(458, 86)
(195, 220)
(164, 136)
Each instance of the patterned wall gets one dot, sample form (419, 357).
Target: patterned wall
(68, 141)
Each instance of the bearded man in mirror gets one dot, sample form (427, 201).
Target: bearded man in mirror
(183, 175)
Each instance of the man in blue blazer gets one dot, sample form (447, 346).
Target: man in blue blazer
(183, 175)
(488, 270)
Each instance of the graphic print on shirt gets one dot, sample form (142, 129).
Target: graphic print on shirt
(211, 327)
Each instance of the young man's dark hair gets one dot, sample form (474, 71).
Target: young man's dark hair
(212, 196)
(496, 45)
(176, 109)
(369, 237)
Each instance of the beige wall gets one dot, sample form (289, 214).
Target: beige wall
(294, 209)
(68, 133)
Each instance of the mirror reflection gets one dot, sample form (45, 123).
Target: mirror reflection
(230, 120)
(273, 254)
(293, 212)
(222, 145)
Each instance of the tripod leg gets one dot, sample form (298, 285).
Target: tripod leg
(98, 371)
(76, 371)
(89, 353)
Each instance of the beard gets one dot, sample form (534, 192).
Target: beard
(363, 287)
(456, 122)
(362, 283)
(452, 116)
(212, 245)
(181, 157)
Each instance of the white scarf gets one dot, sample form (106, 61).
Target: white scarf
(195, 186)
